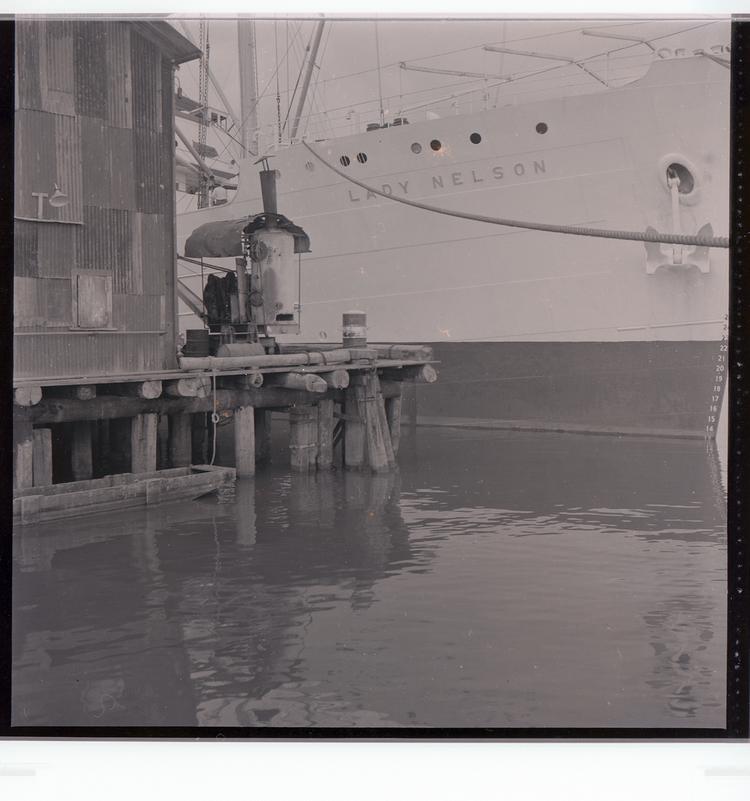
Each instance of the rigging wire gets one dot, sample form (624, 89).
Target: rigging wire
(380, 74)
(299, 78)
(537, 36)
(278, 92)
(259, 98)
(574, 230)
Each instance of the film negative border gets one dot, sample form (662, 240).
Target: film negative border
(738, 698)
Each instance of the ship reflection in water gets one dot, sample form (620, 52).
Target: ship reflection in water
(499, 580)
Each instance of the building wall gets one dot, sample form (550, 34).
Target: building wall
(93, 116)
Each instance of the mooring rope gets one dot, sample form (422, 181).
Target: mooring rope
(214, 419)
(574, 230)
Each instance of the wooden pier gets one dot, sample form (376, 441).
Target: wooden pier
(343, 406)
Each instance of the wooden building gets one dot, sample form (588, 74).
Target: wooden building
(94, 266)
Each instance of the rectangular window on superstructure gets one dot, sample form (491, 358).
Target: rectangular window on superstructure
(92, 300)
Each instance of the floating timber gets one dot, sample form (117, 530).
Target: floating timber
(116, 492)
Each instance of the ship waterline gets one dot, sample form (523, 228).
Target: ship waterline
(575, 308)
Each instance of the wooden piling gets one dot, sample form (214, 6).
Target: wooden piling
(198, 437)
(143, 434)
(393, 415)
(179, 446)
(354, 424)
(325, 434)
(378, 448)
(42, 457)
(244, 441)
(23, 455)
(303, 436)
(262, 436)
(119, 437)
(81, 457)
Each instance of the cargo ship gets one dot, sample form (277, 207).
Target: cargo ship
(549, 331)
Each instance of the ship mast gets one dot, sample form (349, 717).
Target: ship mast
(308, 75)
(248, 86)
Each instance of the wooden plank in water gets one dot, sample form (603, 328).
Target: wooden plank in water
(114, 492)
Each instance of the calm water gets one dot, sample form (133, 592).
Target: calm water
(499, 579)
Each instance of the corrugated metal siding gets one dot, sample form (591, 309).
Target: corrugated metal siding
(146, 71)
(119, 146)
(45, 250)
(153, 190)
(53, 356)
(107, 244)
(54, 297)
(27, 64)
(58, 247)
(25, 249)
(157, 253)
(68, 159)
(136, 227)
(120, 186)
(136, 312)
(95, 169)
(59, 62)
(35, 167)
(90, 69)
(47, 152)
(108, 178)
(119, 76)
(26, 306)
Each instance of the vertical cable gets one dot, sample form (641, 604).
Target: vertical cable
(380, 80)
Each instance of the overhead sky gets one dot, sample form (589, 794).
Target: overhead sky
(347, 84)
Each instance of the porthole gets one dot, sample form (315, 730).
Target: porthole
(436, 144)
(676, 165)
(345, 161)
(683, 175)
(309, 166)
(361, 157)
(475, 139)
(541, 127)
(416, 148)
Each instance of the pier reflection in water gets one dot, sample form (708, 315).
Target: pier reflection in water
(499, 579)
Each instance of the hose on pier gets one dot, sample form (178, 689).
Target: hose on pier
(688, 240)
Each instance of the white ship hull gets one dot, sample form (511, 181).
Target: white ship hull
(421, 277)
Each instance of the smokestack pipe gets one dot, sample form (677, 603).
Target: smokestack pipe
(268, 191)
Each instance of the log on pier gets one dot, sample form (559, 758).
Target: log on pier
(305, 382)
(339, 356)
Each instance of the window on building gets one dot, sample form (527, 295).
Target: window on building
(92, 300)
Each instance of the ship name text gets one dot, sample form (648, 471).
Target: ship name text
(457, 178)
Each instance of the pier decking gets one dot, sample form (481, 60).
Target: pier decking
(348, 411)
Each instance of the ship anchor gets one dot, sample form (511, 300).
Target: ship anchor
(677, 256)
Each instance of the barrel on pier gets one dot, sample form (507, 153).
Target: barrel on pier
(196, 342)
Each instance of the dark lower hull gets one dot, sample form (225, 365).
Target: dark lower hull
(649, 388)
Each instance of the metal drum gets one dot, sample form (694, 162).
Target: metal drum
(354, 328)
(196, 342)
